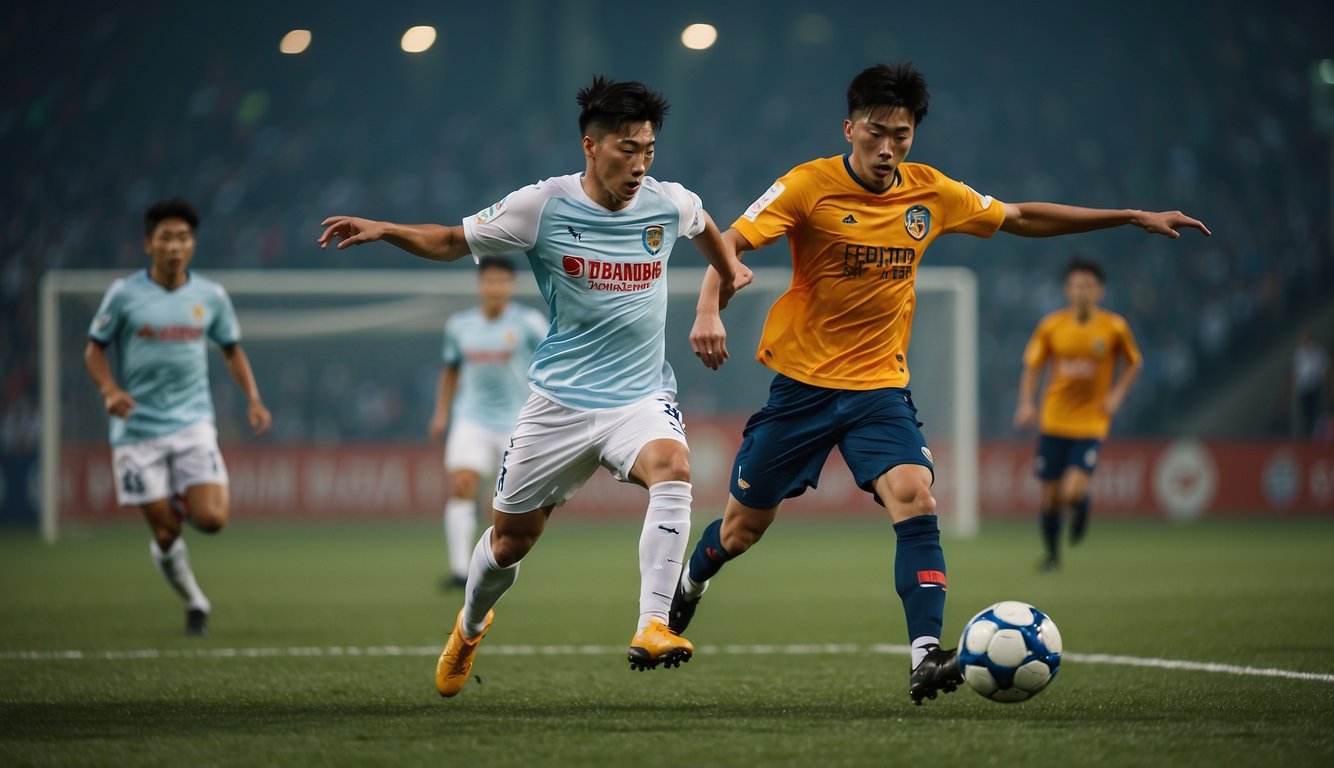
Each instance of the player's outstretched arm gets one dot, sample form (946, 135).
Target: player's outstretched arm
(708, 336)
(1051, 219)
(429, 241)
(118, 402)
(238, 365)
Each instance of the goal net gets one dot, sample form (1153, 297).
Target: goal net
(347, 361)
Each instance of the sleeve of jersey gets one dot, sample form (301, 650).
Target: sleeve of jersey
(1128, 346)
(508, 226)
(692, 210)
(968, 211)
(1035, 354)
(782, 208)
(225, 330)
(108, 318)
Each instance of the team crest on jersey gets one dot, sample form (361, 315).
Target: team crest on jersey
(1099, 348)
(653, 239)
(197, 312)
(926, 452)
(492, 212)
(917, 220)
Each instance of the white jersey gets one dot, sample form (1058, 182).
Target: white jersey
(492, 355)
(601, 273)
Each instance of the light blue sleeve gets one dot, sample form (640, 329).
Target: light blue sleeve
(225, 330)
(110, 315)
(450, 352)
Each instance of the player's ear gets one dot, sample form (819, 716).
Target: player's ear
(847, 130)
(589, 143)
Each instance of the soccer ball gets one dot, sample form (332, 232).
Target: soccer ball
(1010, 651)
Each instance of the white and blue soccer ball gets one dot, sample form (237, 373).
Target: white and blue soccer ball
(1010, 651)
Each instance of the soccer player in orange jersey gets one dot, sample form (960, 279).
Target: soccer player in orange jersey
(858, 225)
(1080, 345)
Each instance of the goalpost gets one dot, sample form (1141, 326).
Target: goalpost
(351, 356)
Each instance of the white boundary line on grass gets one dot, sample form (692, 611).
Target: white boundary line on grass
(815, 649)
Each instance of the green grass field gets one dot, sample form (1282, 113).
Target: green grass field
(323, 641)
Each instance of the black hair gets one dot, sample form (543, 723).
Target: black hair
(170, 208)
(607, 105)
(899, 85)
(495, 262)
(1080, 264)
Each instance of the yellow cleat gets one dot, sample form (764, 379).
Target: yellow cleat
(451, 672)
(656, 644)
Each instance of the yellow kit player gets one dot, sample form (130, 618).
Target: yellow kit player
(1080, 346)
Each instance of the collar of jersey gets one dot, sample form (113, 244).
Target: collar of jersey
(583, 194)
(148, 275)
(847, 166)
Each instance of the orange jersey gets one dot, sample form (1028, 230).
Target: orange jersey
(1083, 360)
(845, 321)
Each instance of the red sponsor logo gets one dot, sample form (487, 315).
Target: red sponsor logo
(931, 577)
(170, 333)
(573, 265)
(489, 356)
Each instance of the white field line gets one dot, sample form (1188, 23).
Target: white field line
(830, 649)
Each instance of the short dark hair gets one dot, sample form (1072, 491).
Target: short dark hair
(170, 208)
(607, 105)
(899, 85)
(1081, 264)
(495, 262)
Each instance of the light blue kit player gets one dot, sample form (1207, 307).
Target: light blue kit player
(483, 384)
(164, 442)
(602, 392)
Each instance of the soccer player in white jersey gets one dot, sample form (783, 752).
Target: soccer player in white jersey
(483, 384)
(602, 391)
(164, 442)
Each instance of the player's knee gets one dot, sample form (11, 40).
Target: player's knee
(208, 518)
(510, 548)
(740, 534)
(915, 500)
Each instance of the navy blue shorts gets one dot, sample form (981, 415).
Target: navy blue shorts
(1056, 454)
(786, 443)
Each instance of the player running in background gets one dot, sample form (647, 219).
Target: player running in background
(1082, 343)
(837, 340)
(163, 434)
(483, 384)
(603, 393)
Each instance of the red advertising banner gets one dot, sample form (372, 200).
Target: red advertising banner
(1179, 479)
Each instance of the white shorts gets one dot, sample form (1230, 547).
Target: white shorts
(555, 449)
(159, 467)
(473, 446)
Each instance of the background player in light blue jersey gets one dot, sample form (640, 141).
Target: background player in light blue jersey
(483, 384)
(603, 393)
(164, 442)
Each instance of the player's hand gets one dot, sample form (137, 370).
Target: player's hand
(742, 275)
(350, 230)
(259, 417)
(118, 402)
(1024, 416)
(708, 337)
(1111, 405)
(439, 422)
(1169, 223)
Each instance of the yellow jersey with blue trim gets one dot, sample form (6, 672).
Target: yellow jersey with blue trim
(846, 319)
(1083, 357)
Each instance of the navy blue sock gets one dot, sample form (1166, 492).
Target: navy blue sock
(709, 555)
(919, 575)
(1079, 518)
(1050, 520)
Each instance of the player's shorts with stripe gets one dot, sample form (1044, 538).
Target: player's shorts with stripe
(475, 447)
(1056, 454)
(555, 449)
(160, 467)
(786, 444)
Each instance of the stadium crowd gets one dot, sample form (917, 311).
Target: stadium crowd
(1214, 122)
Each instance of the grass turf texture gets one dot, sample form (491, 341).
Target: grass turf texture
(1255, 594)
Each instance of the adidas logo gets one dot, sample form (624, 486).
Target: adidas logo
(849, 219)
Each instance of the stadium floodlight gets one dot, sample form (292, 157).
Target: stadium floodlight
(698, 37)
(418, 39)
(296, 41)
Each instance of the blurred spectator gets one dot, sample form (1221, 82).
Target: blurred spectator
(1310, 384)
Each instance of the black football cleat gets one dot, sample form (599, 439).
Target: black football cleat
(937, 673)
(196, 623)
(682, 610)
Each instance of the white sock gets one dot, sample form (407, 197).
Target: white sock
(487, 581)
(460, 531)
(919, 648)
(692, 589)
(662, 548)
(174, 565)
